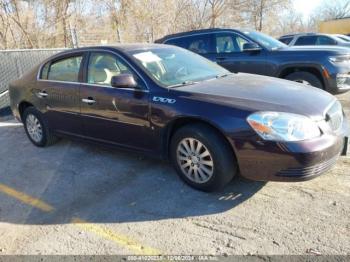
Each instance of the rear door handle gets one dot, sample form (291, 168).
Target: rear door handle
(88, 100)
(42, 94)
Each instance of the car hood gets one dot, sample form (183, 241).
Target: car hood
(345, 45)
(261, 93)
(317, 49)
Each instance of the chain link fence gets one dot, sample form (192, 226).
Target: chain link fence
(14, 63)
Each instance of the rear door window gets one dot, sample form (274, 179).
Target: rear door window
(325, 40)
(306, 40)
(66, 69)
(286, 40)
(201, 44)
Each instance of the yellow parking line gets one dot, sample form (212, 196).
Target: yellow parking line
(26, 198)
(105, 233)
(115, 237)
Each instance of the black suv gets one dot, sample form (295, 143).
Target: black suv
(253, 52)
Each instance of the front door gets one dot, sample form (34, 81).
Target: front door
(229, 54)
(114, 115)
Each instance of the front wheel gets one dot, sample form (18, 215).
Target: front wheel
(202, 157)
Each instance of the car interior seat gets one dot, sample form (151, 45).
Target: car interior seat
(104, 70)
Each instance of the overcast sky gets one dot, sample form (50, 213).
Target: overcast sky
(306, 6)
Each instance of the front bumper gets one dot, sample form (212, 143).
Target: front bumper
(339, 82)
(343, 82)
(290, 161)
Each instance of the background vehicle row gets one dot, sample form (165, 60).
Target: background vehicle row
(327, 68)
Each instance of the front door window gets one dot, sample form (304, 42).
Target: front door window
(229, 43)
(103, 66)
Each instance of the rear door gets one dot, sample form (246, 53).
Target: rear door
(306, 40)
(58, 89)
(202, 44)
(114, 115)
(229, 54)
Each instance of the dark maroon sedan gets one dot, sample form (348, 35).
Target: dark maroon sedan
(172, 103)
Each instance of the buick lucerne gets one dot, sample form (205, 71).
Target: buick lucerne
(169, 102)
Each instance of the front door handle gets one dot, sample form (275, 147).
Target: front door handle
(88, 100)
(42, 94)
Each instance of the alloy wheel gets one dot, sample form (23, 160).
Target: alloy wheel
(34, 128)
(195, 160)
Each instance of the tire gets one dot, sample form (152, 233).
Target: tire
(224, 165)
(32, 115)
(305, 77)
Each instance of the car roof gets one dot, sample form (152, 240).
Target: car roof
(118, 47)
(197, 31)
(305, 34)
(285, 36)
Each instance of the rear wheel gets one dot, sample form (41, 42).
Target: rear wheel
(36, 128)
(202, 158)
(305, 78)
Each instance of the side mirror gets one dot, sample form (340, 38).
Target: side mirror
(123, 81)
(250, 47)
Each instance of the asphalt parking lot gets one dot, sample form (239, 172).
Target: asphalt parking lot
(77, 198)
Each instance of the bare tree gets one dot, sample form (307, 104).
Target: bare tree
(259, 10)
(117, 10)
(217, 8)
(293, 22)
(53, 23)
(334, 9)
(12, 13)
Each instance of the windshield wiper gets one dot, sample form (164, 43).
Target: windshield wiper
(223, 75)
(185, 83)
(277, 48)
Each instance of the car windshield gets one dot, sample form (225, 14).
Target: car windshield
(173, 66)
(344, 38)
(265, 40)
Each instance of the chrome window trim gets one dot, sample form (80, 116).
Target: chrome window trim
(79, 83)
(59, 81)
(99, 85)
(109, 86)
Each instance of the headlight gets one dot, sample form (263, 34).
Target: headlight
(343, 80)
(344, 59)
(278, 126)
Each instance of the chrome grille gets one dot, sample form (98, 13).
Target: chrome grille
(334, 116)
